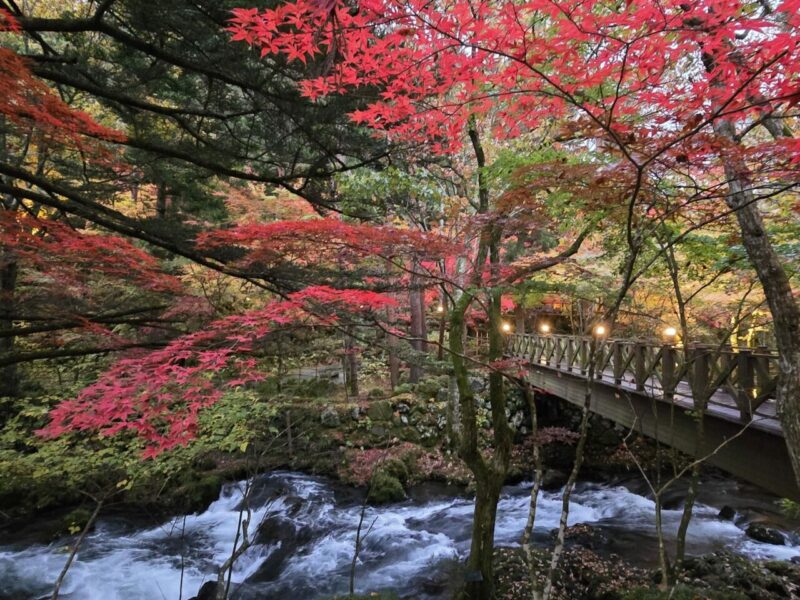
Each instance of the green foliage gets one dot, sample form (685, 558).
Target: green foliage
(369, 192)
(36, 473)
(76, 520)
(790, 508)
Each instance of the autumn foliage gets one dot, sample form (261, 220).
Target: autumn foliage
(437, 66)
(158, 395)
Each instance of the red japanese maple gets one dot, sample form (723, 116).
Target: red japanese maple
(621, 70)
(159, 395)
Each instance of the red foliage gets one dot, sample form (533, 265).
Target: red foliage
(70, 258)
(8, 22)
(631, 73)
(315, 241)
(159, 395)
(28, 102)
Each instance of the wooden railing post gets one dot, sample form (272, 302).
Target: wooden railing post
(668, 382)
(583, 356)
(700, 376)
(745, 383)
(639, 366)
(617, 362)
(570, 353)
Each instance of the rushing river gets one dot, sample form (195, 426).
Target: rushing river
(305, 545)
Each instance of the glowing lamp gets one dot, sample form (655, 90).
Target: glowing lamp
(670, 332)
(440, 308)
(600, 330)
(506, 327)
(544, 328)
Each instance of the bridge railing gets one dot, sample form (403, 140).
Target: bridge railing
(699, 372)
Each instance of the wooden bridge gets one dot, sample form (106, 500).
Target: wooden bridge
(662, 389)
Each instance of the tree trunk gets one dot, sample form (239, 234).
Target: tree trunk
(418, 330)
(777, 290)
(9, 383)
(519, 319)
(774, 280)
(480, 566)
(161, 201)
(391, 349)
(350, 363)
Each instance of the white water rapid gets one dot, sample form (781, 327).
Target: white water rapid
(305, 543)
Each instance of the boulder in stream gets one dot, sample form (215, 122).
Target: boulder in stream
(762, 533)
(208, 591)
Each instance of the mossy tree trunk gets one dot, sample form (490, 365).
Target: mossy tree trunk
(489, 471)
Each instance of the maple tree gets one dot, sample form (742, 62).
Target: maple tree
(668, 92)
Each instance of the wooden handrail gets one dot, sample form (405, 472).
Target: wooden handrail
(747, 376)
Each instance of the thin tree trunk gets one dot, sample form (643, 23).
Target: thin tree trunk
(527, 534)
(9, 384)
(418, 329)
(350, 363)
(391, 349)
(691, 494)
(74, 551)
(161, 201)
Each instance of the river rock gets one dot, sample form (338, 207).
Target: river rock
(385, 488)
(761, 533)
(727, 513)
(553, 479)
(208, 591)
(329, 417)
(477, 385)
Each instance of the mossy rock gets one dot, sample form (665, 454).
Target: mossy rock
(376, 393)
(405, 388)
(429, 388)
(396, 468)
(196, 494)
(380, 410)
(385, 488)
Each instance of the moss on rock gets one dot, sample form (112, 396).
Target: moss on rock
(385, 488)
